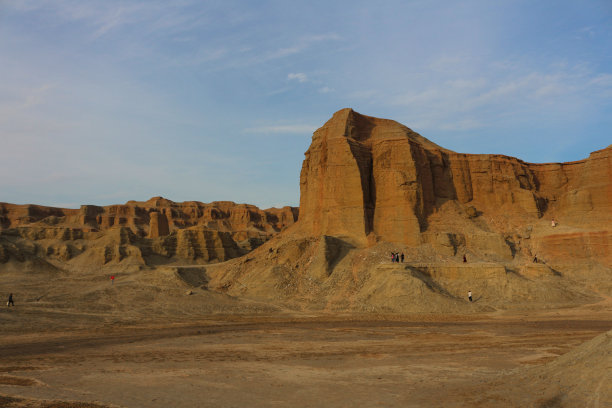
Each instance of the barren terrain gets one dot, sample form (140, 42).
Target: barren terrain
(294, 359)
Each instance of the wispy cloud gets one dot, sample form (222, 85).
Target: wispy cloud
(457, 103)
(302, 129)
(102, 17)
(299, 76)
(238, 52)
(298, 46)
(124, 75)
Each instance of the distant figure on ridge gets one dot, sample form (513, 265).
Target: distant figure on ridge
(470, 295)
(402, 257)
(553, 223)
(535, 259)
(392, 257)
(464, 259)
(10, 300)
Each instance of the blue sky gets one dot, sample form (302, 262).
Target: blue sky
(107, 101)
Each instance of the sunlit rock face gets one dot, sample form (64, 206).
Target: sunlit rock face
(369, 180)
(149, 232)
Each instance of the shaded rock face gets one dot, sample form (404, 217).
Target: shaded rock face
(158, 226)
(371, 179)
(157, 230)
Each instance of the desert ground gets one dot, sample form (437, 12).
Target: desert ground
(237, 357)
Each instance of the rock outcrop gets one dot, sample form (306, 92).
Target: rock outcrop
(157, 230)
(371, 186)
(158, 226)
(369, 180)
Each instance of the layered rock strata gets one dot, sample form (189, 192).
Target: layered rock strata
(370, 180)
(141, 231)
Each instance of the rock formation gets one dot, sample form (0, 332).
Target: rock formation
(372, 186)
(138, 232)
(368, 187)
(369, 180)
(158, 226)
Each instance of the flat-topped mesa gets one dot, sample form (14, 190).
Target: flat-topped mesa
(361, 179)
(368, 179)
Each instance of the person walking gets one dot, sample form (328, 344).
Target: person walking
(10, 301)
(464, 259)
(402, 257)
(470, 295)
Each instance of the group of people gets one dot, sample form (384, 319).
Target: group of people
(397, 257)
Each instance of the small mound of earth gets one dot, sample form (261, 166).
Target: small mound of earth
(580, 378)
(21, 381)
(14, 402)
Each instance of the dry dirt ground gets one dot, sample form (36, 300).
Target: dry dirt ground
(298, 360)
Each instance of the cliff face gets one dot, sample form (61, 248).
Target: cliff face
(364, 178)
(368, 180)
(155, 230)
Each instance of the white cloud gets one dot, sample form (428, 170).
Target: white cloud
(364, 94)
(325, 89)
(320, 37)
(305, 129)
(300, 45)
(299, 76)
(23, 98)
(470, 103)
(103, 17)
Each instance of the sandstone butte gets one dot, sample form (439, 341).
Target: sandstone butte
(368, 186)
(370, 180)
(371, 186)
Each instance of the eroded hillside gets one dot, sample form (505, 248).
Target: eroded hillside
(157, 231)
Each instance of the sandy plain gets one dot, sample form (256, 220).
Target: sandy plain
(66, 359)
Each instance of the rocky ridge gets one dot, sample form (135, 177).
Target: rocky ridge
(151, 232)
